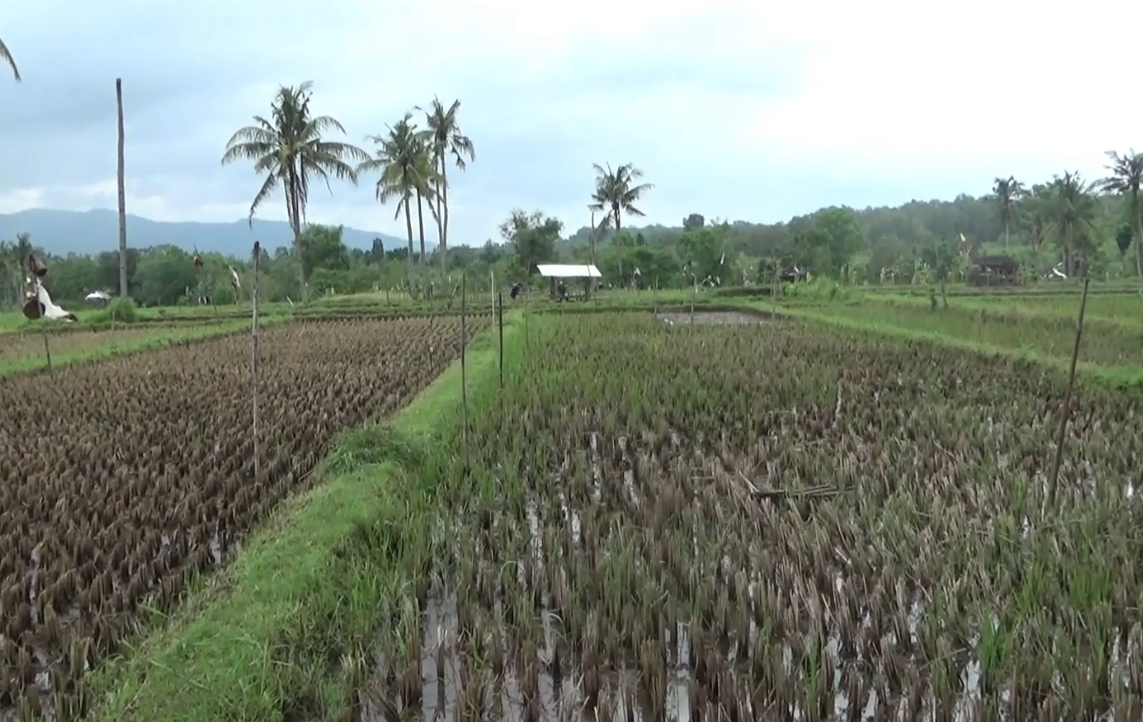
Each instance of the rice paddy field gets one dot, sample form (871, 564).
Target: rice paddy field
(637, 512)
(1108, 342)
(1121, 307)
(123, 479)
(781, 520)
(1030, 326)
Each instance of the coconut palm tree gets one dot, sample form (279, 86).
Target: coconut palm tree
(7, 59)
(1126, 179)
(289, 149)
(616, 191)
(445, 138)
(428, 181)
(405, 169)
(1007, 192)
(1072, 218)
(1036, 207)
(598, 230)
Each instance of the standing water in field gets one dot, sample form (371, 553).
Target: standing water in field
(850, 530)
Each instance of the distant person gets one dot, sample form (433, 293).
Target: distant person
(562, 291)
(515, 290)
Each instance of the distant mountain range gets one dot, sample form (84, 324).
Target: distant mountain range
(63, 232)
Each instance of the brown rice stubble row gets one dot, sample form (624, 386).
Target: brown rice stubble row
(118, 479)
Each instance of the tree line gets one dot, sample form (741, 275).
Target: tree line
(1067, 221)
(167, 275)
(290, 148)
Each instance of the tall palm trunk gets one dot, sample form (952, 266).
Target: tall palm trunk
(616, 213)
(294, 214)
(421, 225)
(1138, 233)
(121, 179)
(1139, 243)
(409, 259)
(442, 206)
(1006, 234)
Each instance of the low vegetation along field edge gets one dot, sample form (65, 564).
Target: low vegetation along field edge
(1116, 376)
(262, 640)
(159, 339)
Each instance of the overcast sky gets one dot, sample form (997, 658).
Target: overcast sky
(740, 110)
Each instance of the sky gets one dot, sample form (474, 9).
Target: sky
(737, 110)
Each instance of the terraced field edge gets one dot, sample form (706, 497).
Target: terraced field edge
(262, 639)
(1115, 376)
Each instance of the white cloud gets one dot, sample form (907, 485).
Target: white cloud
(21, 199)
(734, 109)
(902, 89)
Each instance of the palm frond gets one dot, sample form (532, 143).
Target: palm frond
(6, 58)
(264, 194)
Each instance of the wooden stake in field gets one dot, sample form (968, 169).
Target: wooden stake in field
(254, 355)
(464, 365)
(1065, 411)
(121, 179)
(500, 331)
(47, 349)
(774, 290)
(694, 294)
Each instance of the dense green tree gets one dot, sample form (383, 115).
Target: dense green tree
(700, 251)
(884, 254)
(533, 236)
(164, 273)
(617, 191)
(1124, 237)
(1037, 206)
(1125, 179)
(693, 221)
(289, 148)
(445, 140)
(14, 267)
(835, 237)
(322, 247)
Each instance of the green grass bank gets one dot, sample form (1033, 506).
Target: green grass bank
(160, 339)
(281, 633)
(1109, 353)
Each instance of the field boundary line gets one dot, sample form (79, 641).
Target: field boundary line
(1118, 376)
(31, 364)
(255, 636)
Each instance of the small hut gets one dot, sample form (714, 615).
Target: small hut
(559, 272)
(994, 271)
(97, 299)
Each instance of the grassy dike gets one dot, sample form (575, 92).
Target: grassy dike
(268, 638)
(159, 340)
(1114, 376)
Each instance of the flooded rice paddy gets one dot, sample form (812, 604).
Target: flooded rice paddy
(773, 522)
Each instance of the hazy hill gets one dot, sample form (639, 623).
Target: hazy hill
(63, 232)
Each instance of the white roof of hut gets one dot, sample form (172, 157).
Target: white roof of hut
(561, 270)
